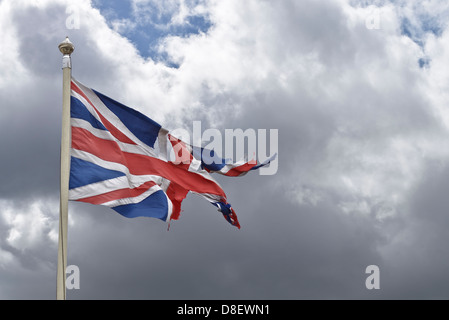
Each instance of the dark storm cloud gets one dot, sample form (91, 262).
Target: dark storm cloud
(32, 108)
(418, 261)
(30, 142)
(296, 252)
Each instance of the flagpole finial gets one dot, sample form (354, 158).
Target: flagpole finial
(66, 47)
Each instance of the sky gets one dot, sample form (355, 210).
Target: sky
(357, 89)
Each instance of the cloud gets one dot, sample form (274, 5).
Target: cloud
(362, 131)
(353, 93)
(168, 13)
(28, 245)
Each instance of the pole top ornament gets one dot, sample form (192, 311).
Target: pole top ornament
(66, 47)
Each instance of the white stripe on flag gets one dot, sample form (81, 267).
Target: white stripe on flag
(131, 200)
(106, 135)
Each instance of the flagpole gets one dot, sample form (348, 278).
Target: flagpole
(66, 48)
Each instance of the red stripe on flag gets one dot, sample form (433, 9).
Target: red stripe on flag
(111, 128)
(183, 156)
(176, 194)
(235, 172)
(139, 164)
(235, 221)
(119, 194)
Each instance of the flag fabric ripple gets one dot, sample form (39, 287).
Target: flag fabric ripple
(122, 159)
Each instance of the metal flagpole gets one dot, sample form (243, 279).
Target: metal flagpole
(66, 48)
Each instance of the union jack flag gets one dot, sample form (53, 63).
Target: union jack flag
(122, 159)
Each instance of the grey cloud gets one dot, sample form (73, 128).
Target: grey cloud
(339, 98)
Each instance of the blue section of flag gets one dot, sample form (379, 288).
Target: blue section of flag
(227, 211)
(266, 162)
(145, 129)
(84, 173)
(155, 206)
(79, 111)
(209, 159)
